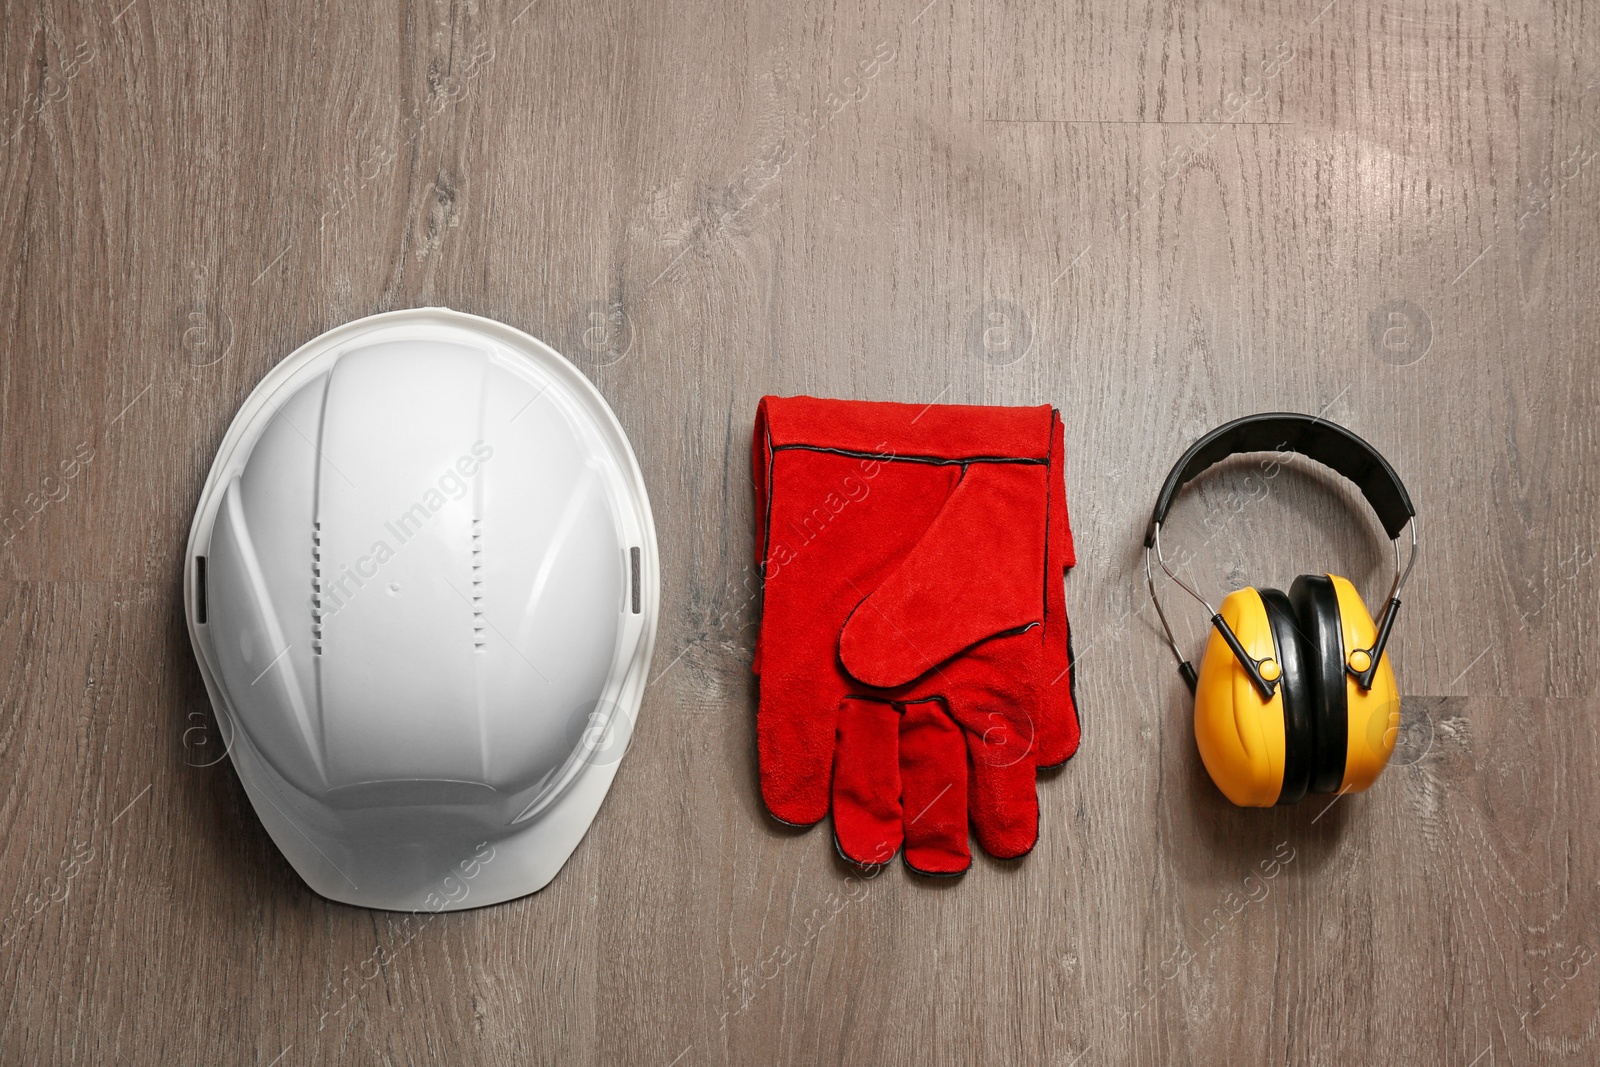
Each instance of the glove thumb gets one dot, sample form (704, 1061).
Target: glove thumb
(976, 572)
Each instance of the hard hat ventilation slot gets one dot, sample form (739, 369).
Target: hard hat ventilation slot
(477, 586)
(316, 588)
(633, 559)
(200, 590)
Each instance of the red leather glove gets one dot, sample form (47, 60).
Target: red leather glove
(913, 657)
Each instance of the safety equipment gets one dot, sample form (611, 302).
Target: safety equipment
(422, 588)
(1295, 692)
(914, 658)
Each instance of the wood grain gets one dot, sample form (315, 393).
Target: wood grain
(1155, 216)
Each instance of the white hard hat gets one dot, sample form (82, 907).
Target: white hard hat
(422, 588)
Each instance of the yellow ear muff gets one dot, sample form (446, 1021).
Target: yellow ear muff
(1374, 714)
(1241, 735)
(1330, 715)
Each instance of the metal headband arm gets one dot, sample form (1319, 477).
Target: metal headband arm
(1386, 622)
(1191, 678)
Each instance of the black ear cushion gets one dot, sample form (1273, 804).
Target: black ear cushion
(1299, 733)
(1316, 605)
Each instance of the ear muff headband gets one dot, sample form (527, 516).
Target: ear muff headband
(1327, 443)
(1299, 733)
(1316, 439)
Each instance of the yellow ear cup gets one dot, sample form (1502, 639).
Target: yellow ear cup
(1240, 735)
(1374, 714)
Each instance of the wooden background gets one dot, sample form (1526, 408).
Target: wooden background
(1156, 215)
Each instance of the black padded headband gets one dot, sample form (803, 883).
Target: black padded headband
(1318, 439)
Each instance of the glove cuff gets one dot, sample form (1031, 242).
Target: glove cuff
(942, 432)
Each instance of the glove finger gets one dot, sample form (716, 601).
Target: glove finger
(795, 733)
(933, 777)
(1003, 801)
(866, 782)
